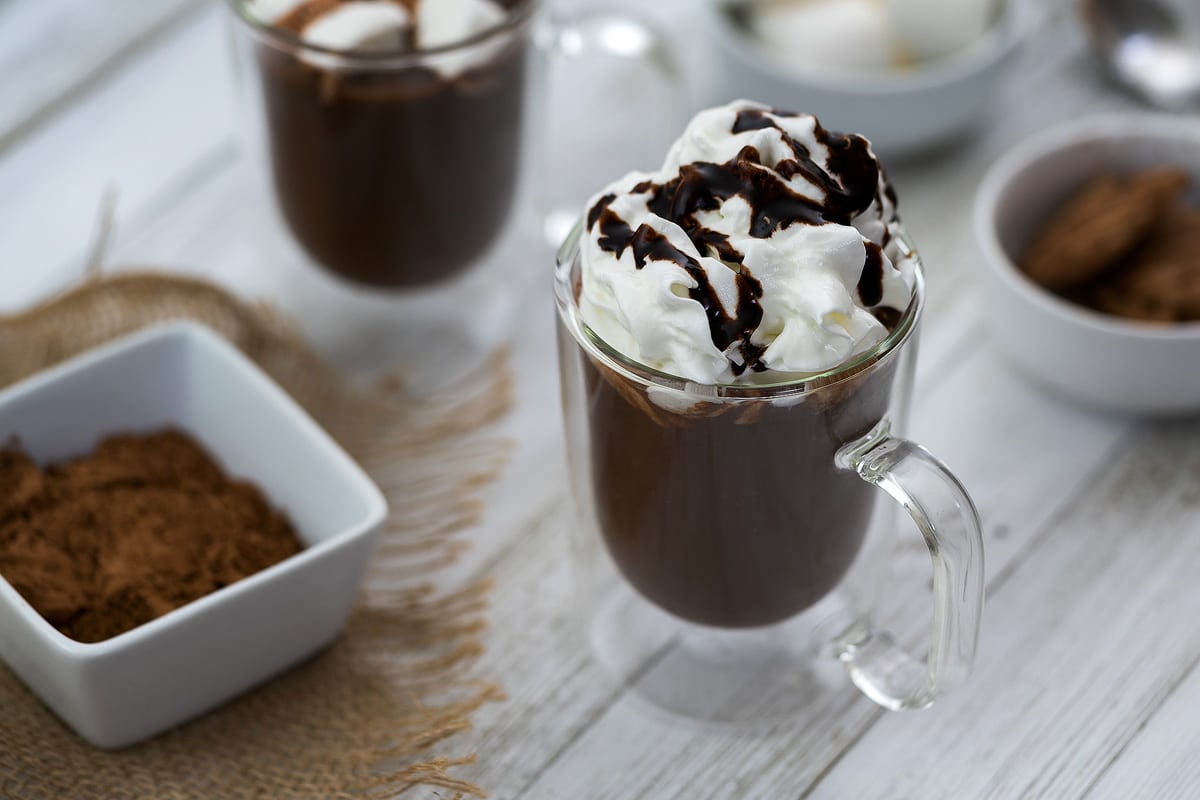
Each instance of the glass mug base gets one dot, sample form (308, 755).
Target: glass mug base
(440, 333)
(742, 677)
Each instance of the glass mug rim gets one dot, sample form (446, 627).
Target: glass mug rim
(568, 310)
(515, 19)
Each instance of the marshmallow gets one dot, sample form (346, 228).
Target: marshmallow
(443, 22)
(362, 26)
(271, 11)
(375, 26)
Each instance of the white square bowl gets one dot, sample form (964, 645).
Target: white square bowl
(124, 689)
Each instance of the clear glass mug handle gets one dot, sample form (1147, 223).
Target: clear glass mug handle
(582, 147)
(949, 524)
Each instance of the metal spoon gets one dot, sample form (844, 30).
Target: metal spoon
(1150, 47)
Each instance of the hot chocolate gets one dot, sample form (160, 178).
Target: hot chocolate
(763, 254)
(395, 170)
(727, 514)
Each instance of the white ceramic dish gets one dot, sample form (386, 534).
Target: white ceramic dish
(1103, 361)
(129, 687)
(902, 114)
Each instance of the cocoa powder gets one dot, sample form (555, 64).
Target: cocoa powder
(145, 524)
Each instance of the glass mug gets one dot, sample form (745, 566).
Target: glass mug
(400, 170)
(724, 536)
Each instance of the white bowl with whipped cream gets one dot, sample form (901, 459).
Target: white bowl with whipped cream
(1103, 361)
(910, 75)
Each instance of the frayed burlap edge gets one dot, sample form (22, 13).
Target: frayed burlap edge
(375, 714)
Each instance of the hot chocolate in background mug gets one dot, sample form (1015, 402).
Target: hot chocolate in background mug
(393, 131)
(728, 541)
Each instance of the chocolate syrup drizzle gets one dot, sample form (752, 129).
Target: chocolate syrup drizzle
(850, 184)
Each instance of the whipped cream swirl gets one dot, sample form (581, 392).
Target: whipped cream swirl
(764, 245)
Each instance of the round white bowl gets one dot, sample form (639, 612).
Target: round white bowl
(903, 114)
(1100, 360)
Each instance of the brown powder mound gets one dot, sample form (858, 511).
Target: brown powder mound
(1101, 225)
(144, 525)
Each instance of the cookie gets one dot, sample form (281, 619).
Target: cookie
(1100, 226)
(1160, 280)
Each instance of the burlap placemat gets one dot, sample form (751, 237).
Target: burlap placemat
(375, 714)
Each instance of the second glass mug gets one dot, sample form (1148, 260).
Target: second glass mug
(401, 170)
(724, 538)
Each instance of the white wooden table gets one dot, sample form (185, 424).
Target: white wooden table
(1086, 684)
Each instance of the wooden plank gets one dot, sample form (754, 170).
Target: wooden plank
(138, 131)
(53, 51)
(1161, 761)
(1084, 641)
(555, 690)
